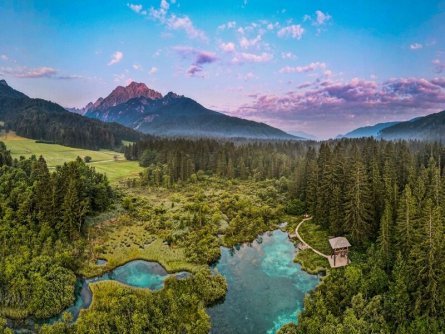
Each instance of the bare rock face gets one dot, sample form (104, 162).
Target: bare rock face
(122, 94)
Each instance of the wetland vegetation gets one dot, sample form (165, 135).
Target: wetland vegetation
(188, 210)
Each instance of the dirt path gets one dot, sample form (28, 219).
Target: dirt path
(301, 239)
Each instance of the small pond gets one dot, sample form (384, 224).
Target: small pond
(138, 273)
(266, 288)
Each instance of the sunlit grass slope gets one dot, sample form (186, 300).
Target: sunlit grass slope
(113, 164)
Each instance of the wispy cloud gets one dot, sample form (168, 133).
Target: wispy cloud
(194, 70)
(199, 58)
(116, 58)
(246, 43)
(245, 57)
(35, 73)
(416, 46)
(228, 25)
(4, 57)
(303, 69)
(295, 31)
(321, 18)
(288, 55)
(185, 23)
(135, 8)
(170, 20)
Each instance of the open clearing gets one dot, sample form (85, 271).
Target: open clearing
(111, 163)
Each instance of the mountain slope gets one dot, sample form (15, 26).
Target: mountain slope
(175, 115)
(368, 131)
(430, 127)
(9, 92)
(44, 120)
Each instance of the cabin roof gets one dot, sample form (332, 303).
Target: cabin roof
(339, 242)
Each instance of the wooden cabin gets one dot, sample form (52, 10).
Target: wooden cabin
(340, 251)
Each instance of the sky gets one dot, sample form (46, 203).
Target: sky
(322, 67)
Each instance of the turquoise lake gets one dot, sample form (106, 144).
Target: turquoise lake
(266, 288)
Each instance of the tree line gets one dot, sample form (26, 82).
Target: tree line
(42, 215)
(172, 160)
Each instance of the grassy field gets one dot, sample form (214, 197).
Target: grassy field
(111, 163)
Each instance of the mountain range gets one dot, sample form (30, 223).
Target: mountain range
(430, 127)
(141, 108)
(47, 121)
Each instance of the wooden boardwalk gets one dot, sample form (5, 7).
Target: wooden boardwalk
(340, 262)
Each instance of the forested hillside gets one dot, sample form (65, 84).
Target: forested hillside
(430, 127)
(387, 197)
(47, 121)
(42, 215)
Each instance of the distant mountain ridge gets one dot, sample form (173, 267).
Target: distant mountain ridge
(430, 127)
(368, 131)
(44, 120)
(146, 110)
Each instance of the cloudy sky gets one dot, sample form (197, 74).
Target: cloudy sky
(322, 67)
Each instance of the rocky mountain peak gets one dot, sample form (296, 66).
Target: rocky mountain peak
(3, 82)
(122, 94)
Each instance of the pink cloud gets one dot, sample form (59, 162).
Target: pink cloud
(295, 31)
(227, 47)
(345, 105)
(200, 58)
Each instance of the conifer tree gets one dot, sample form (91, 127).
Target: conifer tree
(405, 224)
(357, 203)
(385, 235)
(428, 259)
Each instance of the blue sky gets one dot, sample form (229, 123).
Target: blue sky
(322, 67)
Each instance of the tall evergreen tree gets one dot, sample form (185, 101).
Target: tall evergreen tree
(357, 203)
(405, 224)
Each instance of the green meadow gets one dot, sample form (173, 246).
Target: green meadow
(111, 163)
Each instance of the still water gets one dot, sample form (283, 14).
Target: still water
(266, 288)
